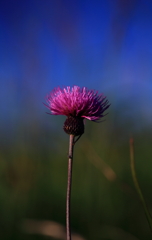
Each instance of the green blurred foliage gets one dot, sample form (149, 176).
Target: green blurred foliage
(33, 172)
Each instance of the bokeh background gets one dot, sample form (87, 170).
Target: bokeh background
(103, 45)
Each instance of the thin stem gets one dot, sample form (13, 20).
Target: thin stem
(138, 189)
(77, 138)
(69, 182)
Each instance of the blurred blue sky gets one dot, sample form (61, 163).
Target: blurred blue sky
(104, 45)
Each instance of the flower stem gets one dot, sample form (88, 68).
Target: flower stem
(138, 189)
(69, 182)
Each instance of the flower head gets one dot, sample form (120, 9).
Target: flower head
(77, 103)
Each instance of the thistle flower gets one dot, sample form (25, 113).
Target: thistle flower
(77, 104)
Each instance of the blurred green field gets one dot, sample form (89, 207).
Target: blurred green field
(105, 206)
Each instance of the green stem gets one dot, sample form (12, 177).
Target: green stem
(69, 182)
(138, 189)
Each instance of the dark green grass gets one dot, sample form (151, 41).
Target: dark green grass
(33, 173)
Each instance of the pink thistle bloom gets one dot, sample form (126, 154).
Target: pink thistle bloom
(77, 102)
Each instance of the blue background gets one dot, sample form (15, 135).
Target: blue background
(104, 45)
